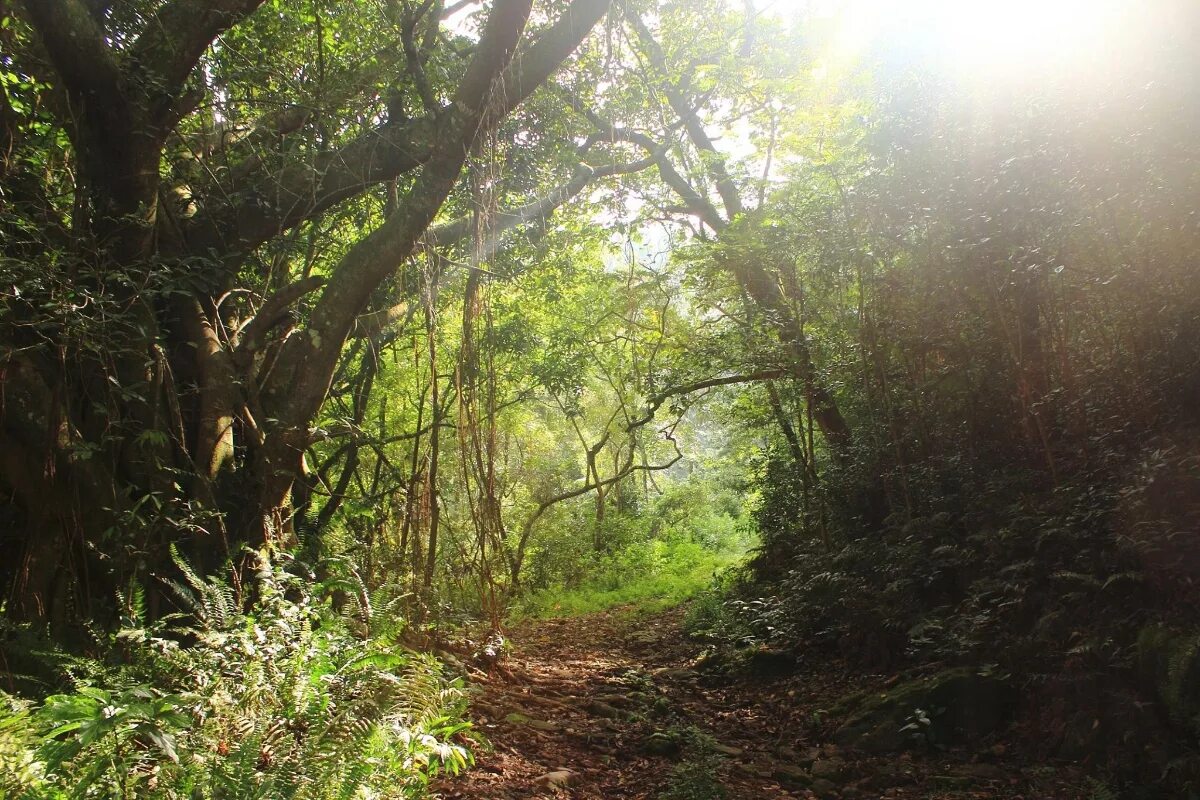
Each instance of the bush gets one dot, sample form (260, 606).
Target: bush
(991, 569)
(660, 556)
(280, 702)
(653, 575)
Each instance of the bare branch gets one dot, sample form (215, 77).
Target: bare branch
(657, 400)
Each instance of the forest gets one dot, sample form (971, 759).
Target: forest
(599, 399)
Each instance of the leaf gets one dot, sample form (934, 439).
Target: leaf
(160, 739)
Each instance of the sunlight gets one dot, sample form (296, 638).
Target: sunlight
(1014, 34)
(976, 38)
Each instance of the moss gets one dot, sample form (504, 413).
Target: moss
(951, 707)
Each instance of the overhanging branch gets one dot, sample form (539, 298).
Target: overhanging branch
(657, 400)
(172, 43)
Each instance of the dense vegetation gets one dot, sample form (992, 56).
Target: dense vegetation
(335, 335)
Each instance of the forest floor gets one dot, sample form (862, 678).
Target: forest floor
(613, 706)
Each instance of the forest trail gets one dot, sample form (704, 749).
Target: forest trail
(610, 706)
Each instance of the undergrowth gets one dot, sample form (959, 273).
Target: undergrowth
(280, 702)
(651, 576)
(695, 776)
(1085, 590)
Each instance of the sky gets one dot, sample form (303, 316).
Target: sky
(978, 39)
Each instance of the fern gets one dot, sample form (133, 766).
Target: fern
(1101, 790)
(281, 704)
(1183, 660)
(22, 772)
(212, 602)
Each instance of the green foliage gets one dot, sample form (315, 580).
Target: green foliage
(283, 702)
(693, 780)
(993, 293)
(114, 740)
(22, 774)
(669, 552)
(1021, 480)
(695, 777)
(1101, 790)
(651, 576)
(1169, 661)
(939, 587)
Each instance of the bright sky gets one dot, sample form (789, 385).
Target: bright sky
(977, 38)
(987, 38)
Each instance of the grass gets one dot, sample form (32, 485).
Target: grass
(649, 576)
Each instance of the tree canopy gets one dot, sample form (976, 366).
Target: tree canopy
(383, 322)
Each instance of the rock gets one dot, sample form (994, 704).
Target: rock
(517, 718)
(770, 662)
(881, 776)
(616, 700)
(661, 743)
(787, 773)
(824, 788)
(602, 709)
(793, 756)
(754, 770)
(645, 638)
(960, 705)
(726, 750)
(559, 779)
(829, 768)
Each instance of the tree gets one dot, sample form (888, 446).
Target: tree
(705, 187)
(177, 306)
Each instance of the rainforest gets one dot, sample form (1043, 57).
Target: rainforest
(599, 399)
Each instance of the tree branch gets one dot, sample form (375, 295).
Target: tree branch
(626, 470)
(75, 43)
(536, 210)
(657, 400)
(307, 362)
(303, 191)
(171, 44)
(697, 203)
(249, 336)
(714, 162)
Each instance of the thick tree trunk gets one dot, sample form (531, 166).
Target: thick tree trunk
(140, 427)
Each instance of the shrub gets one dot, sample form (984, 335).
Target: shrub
(279, 702)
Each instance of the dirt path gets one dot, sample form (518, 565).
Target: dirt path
(610, 706)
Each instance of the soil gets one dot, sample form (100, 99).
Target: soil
(621, 705)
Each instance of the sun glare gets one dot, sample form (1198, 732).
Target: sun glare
(1011, 34)
(985, 38)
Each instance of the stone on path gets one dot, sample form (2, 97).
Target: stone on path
(558, 779)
